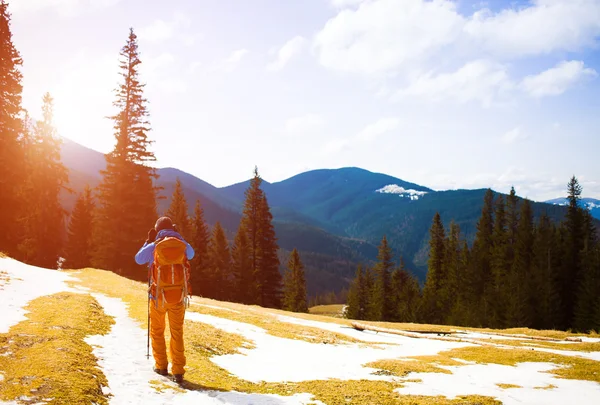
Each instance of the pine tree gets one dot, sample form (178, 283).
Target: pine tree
(79, 243)
(499, 267)
(589, 281)
(200, 242)
(44, 221)
(482, 256)
(519, 311)
(408, 295)
(357, 296)
(127, 195)
(242, 266)
(434, 291)
(512, 221)
(382, 290)
(219, 278)
(574, 233)
(178, 211)
(369, 294)
(12, 159)
(295, 285)
(454, 269)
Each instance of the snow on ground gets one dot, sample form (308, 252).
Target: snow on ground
(481, 379)
(216, 307)
(122, 357)
(401, 191)
(24, 284)
(313, 361)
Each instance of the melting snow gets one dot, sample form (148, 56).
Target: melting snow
(401, 191)
(25, 283)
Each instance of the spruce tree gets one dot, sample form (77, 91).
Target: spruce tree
(369, 294)
(219, 278)
(482, 256)
(589, 281)
(200, 242)
(79, 243)
(519, 310)
(356, 308)
(512, 221)
(382, 290)
(12, 160)
(408, 296)
(178, 211)
(434, 291)
(242, 266)
(454, 270)
(499, 267)
(127, 195)
(295, 285)
(43, 222)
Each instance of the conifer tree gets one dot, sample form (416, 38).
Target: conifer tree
(44, 221)
(589, 281)
(357, 296)
(127, 195)
(178, 211)
(295, 285)
(481, 257)
(382, 290)
(512, 221)
(242, 266)
(369, 294)
(454, 269)
(434, 291)
(200, 243)
(12, 160)
(574, 244)
(519, 311)
(219, 278)
(499, 267)
(408, 294)
(79, 243)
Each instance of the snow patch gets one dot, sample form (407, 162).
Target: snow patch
(25, 283)
(481, 379)
(276, 359)
(401, 191)
(121, 356)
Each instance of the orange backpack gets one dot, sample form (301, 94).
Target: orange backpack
(170, 273)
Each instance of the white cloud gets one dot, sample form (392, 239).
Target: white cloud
(544, 27)
(557, 80)
(514, 135)
(291, 48)
(482, 81)
(63, 7)
(384, 35)
(372, 131)
(161, 30)
(230, 63)
(304, 124)
(345, 3)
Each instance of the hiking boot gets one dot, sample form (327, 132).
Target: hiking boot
(161, 371)
(178, 378)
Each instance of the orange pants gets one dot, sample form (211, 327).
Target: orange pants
(157, 332)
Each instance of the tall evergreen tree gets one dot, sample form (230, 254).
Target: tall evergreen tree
(572, 261)
(242, 267)
(44, 221)
(219, 278)
(295, 285)
(369, 294)
(127, 195)
(434, 291)
(499, 267)
(512, 221)
(408, 295)
(482, 256)
(178, 211)
(357, 296)
(200, 242)
(79, 243)
(12, 160)
(382, 290)
(454, 270)
(520, 311)
(589, 281)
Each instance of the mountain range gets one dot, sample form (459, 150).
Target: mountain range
(334, 217)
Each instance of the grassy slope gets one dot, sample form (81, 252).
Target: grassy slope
(47, 329)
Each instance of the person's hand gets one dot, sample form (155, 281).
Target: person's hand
(151, 235)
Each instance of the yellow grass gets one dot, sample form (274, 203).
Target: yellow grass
(45, 358)
(334, 310)
(508, 386)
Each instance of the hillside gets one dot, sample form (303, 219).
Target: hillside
(592, 204)
(79, 336)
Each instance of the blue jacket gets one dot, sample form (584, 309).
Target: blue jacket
(146, 253)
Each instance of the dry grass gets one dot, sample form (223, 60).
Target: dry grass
(571, 346)
(335, 310)
(547, 387)
(402, 367)
(45, 358)
(508, 386)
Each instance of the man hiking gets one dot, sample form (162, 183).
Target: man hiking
(167, 255)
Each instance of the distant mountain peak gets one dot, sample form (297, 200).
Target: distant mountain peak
(401, 191)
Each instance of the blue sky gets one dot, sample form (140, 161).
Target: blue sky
(447, 94)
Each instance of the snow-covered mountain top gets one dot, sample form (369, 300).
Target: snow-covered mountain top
(401, 191)
(589, 203)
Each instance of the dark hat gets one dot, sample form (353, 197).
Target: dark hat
(163, 223)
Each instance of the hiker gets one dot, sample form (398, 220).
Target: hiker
(166, 251)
